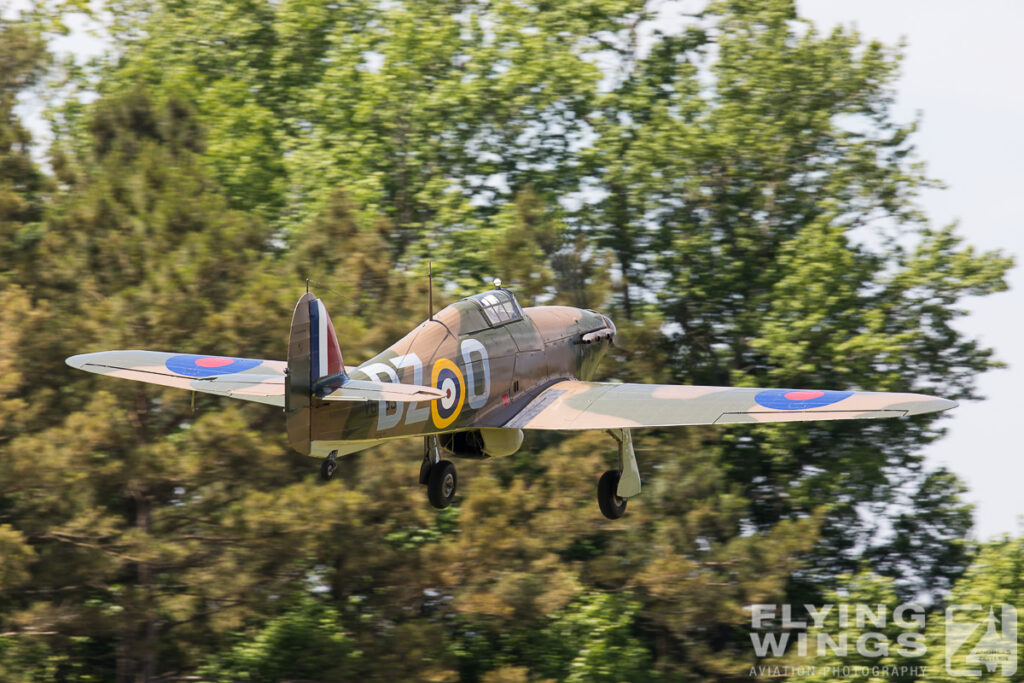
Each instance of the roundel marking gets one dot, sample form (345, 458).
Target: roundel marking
(447, 377)
(191, 365)
(798, 399)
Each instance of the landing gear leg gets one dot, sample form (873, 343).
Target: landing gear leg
(431, 455)
(438, 475)
(617, 486)
(329, 466)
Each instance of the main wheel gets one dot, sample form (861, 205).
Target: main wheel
(611, 505)
(328, 467)
(441, 485)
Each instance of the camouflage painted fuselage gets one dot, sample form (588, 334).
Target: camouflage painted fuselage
(488, 370)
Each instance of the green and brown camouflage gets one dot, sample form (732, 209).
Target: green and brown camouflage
(496, 356)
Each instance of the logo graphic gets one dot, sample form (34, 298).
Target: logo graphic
(975, 640)
(798, 399)
(191, 365)
(447, 377)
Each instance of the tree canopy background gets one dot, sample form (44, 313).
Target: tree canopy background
(736, 194)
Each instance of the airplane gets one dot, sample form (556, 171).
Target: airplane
(469, 380)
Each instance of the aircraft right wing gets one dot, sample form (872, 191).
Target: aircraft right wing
(572, 405)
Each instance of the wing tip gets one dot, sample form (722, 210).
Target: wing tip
(931, 404)
(78, 361)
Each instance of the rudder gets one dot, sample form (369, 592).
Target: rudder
(313, 353)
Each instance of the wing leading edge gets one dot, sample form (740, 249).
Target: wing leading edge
(572, 405)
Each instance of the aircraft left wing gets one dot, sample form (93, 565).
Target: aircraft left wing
(248, 379)
(572, 405)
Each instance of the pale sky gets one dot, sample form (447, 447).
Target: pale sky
(963, 72)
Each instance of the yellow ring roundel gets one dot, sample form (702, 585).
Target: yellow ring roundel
(447, 377)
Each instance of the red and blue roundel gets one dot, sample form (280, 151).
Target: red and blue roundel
(207, 366)
(799, 399)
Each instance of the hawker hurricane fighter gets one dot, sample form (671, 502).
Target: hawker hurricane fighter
(469, 380)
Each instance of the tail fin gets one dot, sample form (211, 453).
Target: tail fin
(313, 352)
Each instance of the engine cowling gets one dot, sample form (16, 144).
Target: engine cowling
(487, 442)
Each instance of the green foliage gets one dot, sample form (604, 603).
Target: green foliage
(737, 196)
(995, 578)
(306, 641)
(928, 547)
(883, 644)
(593, 638)
(23, 60)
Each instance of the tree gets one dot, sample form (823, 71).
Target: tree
(23, 60)
(868, 631)
(118, 512)
(978, 604)
(307, 641)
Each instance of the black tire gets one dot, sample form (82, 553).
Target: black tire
(327, 469)
(611, 505)
(442, 483)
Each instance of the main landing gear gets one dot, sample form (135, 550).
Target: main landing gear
(438, 475)
(616, 487)
(611, 505)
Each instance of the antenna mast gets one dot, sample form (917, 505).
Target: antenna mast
(430, 290)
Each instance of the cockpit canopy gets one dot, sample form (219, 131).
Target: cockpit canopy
(499, 306)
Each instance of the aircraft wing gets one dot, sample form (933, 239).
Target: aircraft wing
(249, 379)
(572, 405)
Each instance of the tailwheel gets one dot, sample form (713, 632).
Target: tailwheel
(611, 505)
(441, 484)
(329, 466)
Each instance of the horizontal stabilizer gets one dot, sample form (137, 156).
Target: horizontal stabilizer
(363, 390)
